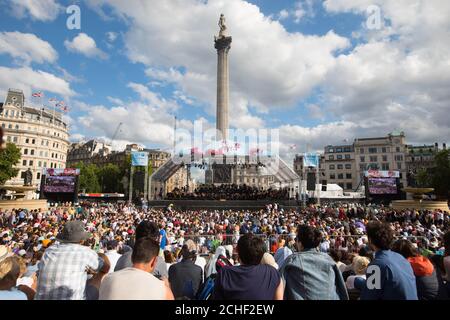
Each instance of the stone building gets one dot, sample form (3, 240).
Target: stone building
(339, 166)
(41, 135)
(345, 164)
(382, 153)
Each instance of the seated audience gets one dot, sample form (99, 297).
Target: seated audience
(251, 280)
(137, 282)
(391, 276)
(311, 274)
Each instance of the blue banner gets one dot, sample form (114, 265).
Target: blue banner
(139, 159)
(311, 160)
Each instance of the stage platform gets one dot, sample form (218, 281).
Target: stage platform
(221, 204)
(235, 204)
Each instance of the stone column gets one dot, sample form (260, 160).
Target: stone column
(222, 44)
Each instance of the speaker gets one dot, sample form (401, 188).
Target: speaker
(311, 181)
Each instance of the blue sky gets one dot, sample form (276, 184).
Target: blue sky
(310, 68)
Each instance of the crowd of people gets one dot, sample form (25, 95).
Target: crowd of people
(119, 251)
(229, 192)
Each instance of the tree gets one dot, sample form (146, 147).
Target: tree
(9, 157)
(441, 173)
(88, 180)
(423, 178)
(110, 178)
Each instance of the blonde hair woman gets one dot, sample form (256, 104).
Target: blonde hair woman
(359, 266)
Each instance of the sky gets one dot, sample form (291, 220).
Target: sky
(319, 72)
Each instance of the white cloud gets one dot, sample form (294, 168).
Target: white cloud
(269, 67)
(111, 36)
(303, 9)
(115, 101)
(395, 77)
(142, 123)
(30, 80)
(85, 45)
(153, 98)
(42, 10)
(283, 14)
(400, 77)
(26, 48)
(315, 111)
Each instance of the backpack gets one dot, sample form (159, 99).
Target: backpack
(206, 290)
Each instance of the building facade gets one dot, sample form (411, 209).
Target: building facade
(41, 135)
(421, 157)
(100, 154)
(382, 153)
(340, 167)
(345, 165)
(85, 152)
(252, 175)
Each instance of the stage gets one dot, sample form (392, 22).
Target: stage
(222, 204)
(239, 204)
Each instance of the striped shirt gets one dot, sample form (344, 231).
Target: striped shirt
(62, 272)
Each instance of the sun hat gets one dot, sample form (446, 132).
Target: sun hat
(73, 232)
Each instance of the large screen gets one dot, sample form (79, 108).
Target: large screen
(382, 185)
(60, 184)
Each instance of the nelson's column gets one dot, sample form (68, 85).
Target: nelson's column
(222, 44)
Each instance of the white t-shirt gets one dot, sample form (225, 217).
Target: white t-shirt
(132, 284)
(201, 262)
(113, 257)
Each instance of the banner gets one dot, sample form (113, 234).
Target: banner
(60, 172)
(311, 160)
(139, 159)
(381, 174)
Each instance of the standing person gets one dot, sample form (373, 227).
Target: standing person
(162, 236)
(137, 282)
(143, 230)
(389, 276)
(64, 266)
(251, 280)
(426, 277)
(112, 254)
(310, 274)
(186, 277)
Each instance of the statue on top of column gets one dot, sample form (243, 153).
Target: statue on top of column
(223, 27)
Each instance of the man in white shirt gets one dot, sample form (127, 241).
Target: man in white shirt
(112, 254)
(137, 282)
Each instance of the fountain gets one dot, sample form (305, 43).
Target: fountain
(22, 197)
(418, 202)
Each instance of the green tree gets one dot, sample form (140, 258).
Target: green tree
(423, 178)
(9, 157)
(110, 177)
(441, 173)
(88, 180)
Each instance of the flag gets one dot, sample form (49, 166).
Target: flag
(52, 100)
(64, 108)
(292, 147)
(60, 104)
(254, 151)
(38, 94)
